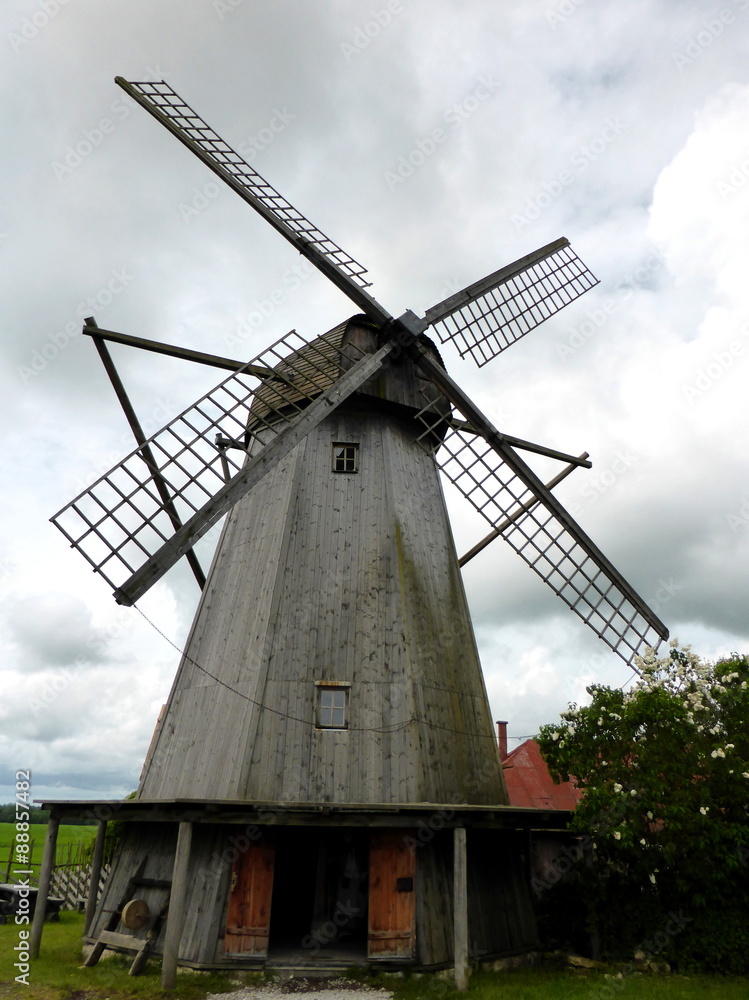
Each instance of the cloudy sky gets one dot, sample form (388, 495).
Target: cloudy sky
(624, 127)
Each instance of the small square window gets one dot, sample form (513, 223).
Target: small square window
(332, 706)
(345, 458)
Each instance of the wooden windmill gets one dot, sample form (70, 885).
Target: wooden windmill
(324, 778)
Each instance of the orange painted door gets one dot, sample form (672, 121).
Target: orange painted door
(392, 895)
(248, 913)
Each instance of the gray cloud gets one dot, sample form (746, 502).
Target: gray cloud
(615, 125)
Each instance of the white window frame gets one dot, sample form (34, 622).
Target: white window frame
(341, 689)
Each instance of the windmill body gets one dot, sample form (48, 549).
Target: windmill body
(337, 573)
(323, 783)
(331, 665)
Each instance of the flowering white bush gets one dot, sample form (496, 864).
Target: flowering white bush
(672, 797)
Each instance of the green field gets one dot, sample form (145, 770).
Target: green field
(58, 975)
(67, 836)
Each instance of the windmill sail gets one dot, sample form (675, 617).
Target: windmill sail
(182, 121)
(557, 550)
(489, 315)
(121, 523)
(483, 319)
(490, 474)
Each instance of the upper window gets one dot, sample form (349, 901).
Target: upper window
(345, 457)
(332, 706)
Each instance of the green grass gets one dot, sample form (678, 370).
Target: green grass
(59, 975)
(67, 835)
(546, 984)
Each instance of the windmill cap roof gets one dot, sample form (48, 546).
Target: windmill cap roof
(313, 368)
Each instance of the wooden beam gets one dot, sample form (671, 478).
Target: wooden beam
(176, 917)
(460, 908)
(184, 353)
(522, 509)
(45, 878)
(467, 295)
(250, 474)
(145, 448)
(497, 442)
(93, 885)
(516, 442)
(308, 242)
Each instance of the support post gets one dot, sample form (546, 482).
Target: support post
(11, 853)
(176, 916)
(460, 908)
(595, 934)
(93, 885)
(45, 879)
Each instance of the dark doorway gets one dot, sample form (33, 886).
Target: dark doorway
(319, 907)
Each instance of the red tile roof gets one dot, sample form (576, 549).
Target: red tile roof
(529, 782)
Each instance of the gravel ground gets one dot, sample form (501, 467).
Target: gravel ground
(312, 989)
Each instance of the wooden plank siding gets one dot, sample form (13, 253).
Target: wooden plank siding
(434, 897)
(322, 577)
(346, 577)
(500, 912)
(416, 926)
(207, 891)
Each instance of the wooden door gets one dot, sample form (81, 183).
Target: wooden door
(250, 894)
(392, 896)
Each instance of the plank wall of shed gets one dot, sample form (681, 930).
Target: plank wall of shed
(343, 577)
(434, 899)
(500, 910)
(500, 916)
(207, 889)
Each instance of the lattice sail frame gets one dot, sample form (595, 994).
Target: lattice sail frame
(490, 315)
(120, 521)
(561, 554)
(482, 320)
(168, 106)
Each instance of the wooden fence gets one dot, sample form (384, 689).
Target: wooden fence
(71, 883)
(71, 875)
